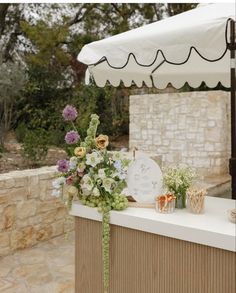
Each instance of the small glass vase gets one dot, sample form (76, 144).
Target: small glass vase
(195, 200)
(165, 203)
(180, 202)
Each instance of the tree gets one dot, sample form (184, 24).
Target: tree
(12, 78)
(176, 8)
(47, 39)
(10, 16)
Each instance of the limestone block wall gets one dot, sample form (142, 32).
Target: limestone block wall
(191, 128)
(28, 212)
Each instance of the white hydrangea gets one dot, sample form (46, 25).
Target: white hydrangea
(101, 173)
(93, 159)
(73, 163)
(108, 184)
(57, 183)
(117, 156)
(87, 183)
(56, 192)
(96, 191)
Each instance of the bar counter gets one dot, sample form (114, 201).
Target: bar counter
(158, 253)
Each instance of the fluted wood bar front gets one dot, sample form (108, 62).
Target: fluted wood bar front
(144, 261)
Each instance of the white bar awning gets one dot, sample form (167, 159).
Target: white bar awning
(190, 47)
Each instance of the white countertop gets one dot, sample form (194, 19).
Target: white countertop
(211, 228)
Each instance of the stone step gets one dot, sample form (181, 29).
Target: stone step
(217, 186)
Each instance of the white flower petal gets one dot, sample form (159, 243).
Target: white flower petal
(56, 192)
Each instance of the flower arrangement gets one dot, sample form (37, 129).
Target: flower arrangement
(177, 181)
(93, 175)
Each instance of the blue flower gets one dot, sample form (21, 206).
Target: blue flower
(118, 165)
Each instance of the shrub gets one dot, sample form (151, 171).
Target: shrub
(21, 131)
(1, 150)
(35, 146)
(56, 137)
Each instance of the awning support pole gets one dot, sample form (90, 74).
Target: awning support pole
(232, 161)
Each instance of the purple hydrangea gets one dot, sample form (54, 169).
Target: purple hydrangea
(72, 137)
(69, 113)
(63, 165)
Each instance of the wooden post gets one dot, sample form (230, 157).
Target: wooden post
(232, 161)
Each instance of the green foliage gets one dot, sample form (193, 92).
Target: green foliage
(55, 78)
(35, 146)
(85, 99)
(1, 150)
(55, 137)
(49, 41)
(43, 108)
(21, 131)
(51, 78)
(106, 103)
(42, 103)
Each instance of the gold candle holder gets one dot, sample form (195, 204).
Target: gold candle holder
(165, 203)
(195, 200)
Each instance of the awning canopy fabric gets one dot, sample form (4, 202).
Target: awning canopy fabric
(190, 47)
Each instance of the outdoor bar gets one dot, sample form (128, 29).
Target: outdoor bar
(151, 251)
(154, 252)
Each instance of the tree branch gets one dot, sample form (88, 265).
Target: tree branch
(157, 13)
(114, 5)
(79, 15)
(13, 36)
(3, 13)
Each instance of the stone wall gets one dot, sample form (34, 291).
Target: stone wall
(191, 128)
(28, 212)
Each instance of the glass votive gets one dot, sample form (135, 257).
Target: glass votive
(165, 203)
(196, 200)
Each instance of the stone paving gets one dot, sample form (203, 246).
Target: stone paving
(45, 268)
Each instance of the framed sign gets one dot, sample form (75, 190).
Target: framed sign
(144, 179)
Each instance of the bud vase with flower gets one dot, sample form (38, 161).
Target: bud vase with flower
(177, 181)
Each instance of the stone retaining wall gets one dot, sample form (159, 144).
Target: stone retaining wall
(192, 128)
(28, 212)
(13, 158)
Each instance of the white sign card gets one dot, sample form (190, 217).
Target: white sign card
(144, 179)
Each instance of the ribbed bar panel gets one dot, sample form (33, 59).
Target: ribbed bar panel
(142, 262)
